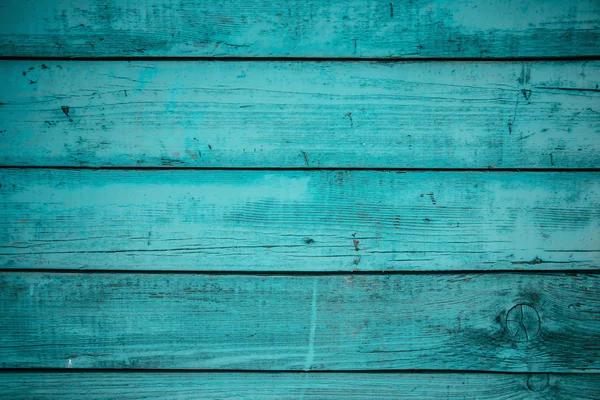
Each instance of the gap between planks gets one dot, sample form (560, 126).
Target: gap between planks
(373, 169)
(310, 59)
(307, 274)
(410, 371)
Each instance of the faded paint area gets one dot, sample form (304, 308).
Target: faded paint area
(298, 28)
(274, 221)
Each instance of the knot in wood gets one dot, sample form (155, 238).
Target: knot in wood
(523, 322)
(538, 382)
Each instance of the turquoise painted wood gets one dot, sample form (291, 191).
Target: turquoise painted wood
(297, 28)
(277, 221)
(301, 114)
(490, 322)
(287, 228)
(260, 386)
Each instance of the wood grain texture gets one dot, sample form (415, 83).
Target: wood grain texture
(296, 28)
(301, 114)
(202, 220)
(372, 322)
(254, 386)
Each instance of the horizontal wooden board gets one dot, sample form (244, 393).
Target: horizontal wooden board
(301, 114)
(226, 220)
(297, 28)
(254, 386)
(487, 322)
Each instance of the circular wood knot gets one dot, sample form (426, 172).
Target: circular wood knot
(523, 322)
(538, 382)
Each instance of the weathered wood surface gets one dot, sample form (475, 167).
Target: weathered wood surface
(301, 114)
(298, 220)
(297, 28)
(254, 386)
(490, 322)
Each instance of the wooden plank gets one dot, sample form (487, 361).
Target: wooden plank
(487, 322)
(301, 114)
(297, 28)
(355, 386)
(298, 220)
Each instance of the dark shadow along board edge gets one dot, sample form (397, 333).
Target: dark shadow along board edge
(296, 28)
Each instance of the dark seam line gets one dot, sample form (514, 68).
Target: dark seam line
(458, 273)
(377, 169)
(254, 371)
(301, 59)
(568, 89)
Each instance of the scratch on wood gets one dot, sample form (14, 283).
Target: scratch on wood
(349, 115)
(535, 261)
(305, 158)
(433, 201)
(65, 110)
(310, 355)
